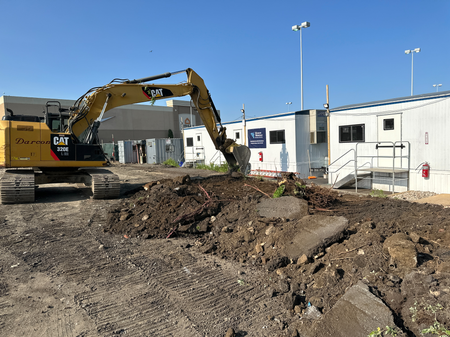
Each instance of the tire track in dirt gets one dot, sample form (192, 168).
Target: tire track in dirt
(180, 302)
(30, 249)
(149, 312)
(215, 294)
(98, 284)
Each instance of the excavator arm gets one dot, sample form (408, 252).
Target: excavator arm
(90, 108)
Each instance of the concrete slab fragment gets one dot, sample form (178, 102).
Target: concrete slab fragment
(284, 207)
(356, 314)
(311, 233)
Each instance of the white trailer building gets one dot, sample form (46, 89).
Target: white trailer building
(385, 144)
(287, 142)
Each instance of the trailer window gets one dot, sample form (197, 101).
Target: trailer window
(388, 124)
(237, 135)
(351, 133)
(189, 142)
(277, 137)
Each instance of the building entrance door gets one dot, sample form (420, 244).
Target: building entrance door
(389, 130)
(199, 149)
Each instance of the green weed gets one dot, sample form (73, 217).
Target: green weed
(170, 162)
(387, 331)
(378, 194)
(437, 329)
(279, 192)
(213, 167)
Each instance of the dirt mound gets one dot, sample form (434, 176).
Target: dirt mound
(221, 213)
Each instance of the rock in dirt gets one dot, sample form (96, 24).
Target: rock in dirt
(284, 286)
(186, 179)
(288, 300)
(278, 262)
(284, 207)
(417, 284)
(402, 251)
(311, 234)
(444, 267)
(270, 230)
(415, 237)
(236, 175)
(312, 313)
(230, 333)
(149, 185)
(356, 314)
(302, 260)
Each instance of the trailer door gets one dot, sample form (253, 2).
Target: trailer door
(389, 130)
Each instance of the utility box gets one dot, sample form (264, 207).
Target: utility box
(126, 151)
(160, 150)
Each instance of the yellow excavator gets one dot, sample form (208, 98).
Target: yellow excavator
(64, 146)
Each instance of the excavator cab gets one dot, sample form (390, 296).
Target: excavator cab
(56, 121)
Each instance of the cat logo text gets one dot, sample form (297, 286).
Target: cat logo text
(62, 143)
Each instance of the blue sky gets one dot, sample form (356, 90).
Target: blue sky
(245, 51)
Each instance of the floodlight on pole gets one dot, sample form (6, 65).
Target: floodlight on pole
(437, 86)
(296, 28)
(412, 51)
(288, 104)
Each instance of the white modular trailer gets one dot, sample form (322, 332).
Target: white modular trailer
(389, 141)
(287, 142)
(199, 148)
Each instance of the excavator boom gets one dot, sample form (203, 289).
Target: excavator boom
(91, 107)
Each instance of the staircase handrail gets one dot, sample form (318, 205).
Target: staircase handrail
(351, 160)
(215, 157)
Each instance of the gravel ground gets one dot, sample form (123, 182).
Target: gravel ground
(412, 195)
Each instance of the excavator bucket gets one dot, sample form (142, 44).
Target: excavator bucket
(242, 155)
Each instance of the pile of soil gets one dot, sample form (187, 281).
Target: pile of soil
(220, 213)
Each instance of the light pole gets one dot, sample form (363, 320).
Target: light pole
(295, 28)
(288, 104)
(437, 86)
(244, 123)
(412, 51)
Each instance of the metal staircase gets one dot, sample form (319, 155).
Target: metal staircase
(380, 163)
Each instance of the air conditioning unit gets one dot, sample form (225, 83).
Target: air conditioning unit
(317, 126)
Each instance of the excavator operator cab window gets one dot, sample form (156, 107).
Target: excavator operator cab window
(56, 117)
(55, 123)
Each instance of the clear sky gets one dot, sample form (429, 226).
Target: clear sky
(245, 51)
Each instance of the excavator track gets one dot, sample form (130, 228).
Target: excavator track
(17, 186)
(105, 184)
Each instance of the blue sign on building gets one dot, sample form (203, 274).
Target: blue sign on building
(257, 138)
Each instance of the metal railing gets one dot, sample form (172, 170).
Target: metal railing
(351, 160)
(372, 158)
(393, 168)
(216, 157)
